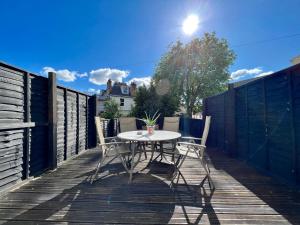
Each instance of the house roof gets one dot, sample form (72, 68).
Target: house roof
(117, 90)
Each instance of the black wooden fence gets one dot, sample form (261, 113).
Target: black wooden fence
(41, 124)
(260, 122)
(187, 126)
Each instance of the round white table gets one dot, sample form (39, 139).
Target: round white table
(143, 136)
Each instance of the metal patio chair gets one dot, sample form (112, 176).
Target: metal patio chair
(111, 149)
(129, 124)
(170, 124)
(192, 150)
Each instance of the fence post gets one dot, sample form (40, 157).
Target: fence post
(66, 123)
(27, 130)
(87, 122)
(52, 120)
(92, 135)
(77, 124)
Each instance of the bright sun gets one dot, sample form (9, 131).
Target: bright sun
(190, 24)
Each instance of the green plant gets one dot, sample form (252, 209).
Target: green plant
(111, 110)
(150, 121)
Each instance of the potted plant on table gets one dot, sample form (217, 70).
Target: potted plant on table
(150, 122)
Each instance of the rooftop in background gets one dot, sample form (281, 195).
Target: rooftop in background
(119, 89)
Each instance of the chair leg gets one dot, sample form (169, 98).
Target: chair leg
(97, 169)
(209, 178)
(207, 170)
(131, 166)
(177, 166)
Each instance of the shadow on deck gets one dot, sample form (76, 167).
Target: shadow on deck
(242, 196)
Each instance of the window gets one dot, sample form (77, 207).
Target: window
(124, 90)
(121, 101)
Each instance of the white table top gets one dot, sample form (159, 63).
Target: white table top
(158, 135)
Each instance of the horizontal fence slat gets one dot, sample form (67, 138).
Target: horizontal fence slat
(24, 117)
(267, 124)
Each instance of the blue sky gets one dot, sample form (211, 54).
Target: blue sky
(88, 41)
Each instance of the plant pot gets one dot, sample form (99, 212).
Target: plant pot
(150, 129)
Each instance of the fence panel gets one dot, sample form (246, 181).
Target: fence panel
(82, 122)
(257, 152)
(25, 120)
(61, 124)
(219, 121)
(11, 140)
(215, 109)
(279, 125)
(71, 124)
(267, 122)
(229, 123)
(39, 133)
(296, 105)
(241, 123)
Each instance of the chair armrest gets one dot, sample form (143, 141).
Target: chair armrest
(114, 143)
(109, 138)
(192, 138)
(191, 144)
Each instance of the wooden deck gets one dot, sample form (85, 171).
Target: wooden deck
(242, 196)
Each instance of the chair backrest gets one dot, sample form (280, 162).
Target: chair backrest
(171, 124)
(127, 124)
(99, 130)
(206, 130)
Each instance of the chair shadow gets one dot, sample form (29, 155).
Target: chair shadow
(267, 191)
(200, 198)
(187, 195)
(108, 200)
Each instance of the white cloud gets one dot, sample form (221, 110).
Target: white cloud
(82, 75)
(265, 74)
(93, 91)
(100, 76)
(140, 81)
(248, 73)
(244, 72)
(64, 75)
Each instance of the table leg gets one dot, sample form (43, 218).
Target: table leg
(152, 154)
(132, 165)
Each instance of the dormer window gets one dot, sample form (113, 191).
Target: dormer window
(125, 90)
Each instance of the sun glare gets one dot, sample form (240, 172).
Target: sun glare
(190, 24)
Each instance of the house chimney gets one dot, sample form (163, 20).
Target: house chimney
(109, 86)
(133, 89)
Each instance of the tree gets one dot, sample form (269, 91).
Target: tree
(111, 110)
(147, 100)
(196, 70)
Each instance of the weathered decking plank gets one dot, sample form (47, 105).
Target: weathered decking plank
(242, 196)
